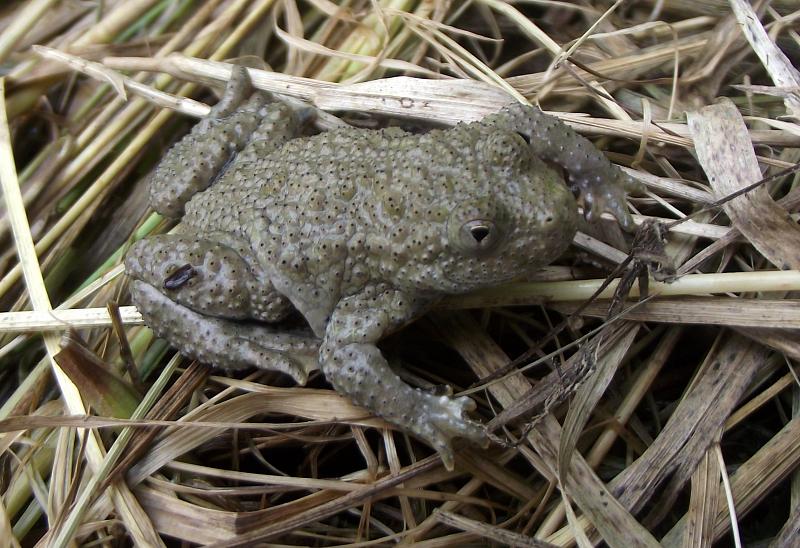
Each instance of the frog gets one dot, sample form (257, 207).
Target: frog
(360, 231)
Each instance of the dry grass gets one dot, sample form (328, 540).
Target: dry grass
(668, 421)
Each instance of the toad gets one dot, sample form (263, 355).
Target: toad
(361, 231)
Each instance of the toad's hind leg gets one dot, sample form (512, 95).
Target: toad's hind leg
(197, 160)
(226, 343)
(198, 294)
(209, 277)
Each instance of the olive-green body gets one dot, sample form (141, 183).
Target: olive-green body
(360, 231)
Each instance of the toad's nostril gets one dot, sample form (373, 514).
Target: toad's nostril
(479, 232)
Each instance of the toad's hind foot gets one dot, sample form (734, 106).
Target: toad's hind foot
(225, 343)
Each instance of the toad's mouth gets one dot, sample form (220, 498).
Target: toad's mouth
(479, 273)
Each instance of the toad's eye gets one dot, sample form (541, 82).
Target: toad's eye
(525, 137)
(478, 236)
(477, 227)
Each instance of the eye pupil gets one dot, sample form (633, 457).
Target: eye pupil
(479, 232)
(477, 238)
(525, 137)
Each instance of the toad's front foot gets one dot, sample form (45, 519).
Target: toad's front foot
(441, 418)
(359, 371)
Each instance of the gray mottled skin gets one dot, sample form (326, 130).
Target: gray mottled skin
(360, 231)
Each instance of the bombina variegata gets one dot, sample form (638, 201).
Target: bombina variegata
(360, 231)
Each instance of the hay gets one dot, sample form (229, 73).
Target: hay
(670, 420)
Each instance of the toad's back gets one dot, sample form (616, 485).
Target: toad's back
(363, 176)
(360, 205)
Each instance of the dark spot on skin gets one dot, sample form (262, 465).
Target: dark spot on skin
(180, 277)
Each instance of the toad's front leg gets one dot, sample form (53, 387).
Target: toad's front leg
(356, 368)
(601, 184)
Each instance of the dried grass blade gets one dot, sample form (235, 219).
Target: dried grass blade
(557, 386)
(764, 396)
(304, 45)
(728, 311)
(703, 503)
(790, 531)
(693, 284)
(193, 68)
(446, 101)
(494, 473)
(627, 67)
(135, 520)
(60, 320)
(89, 68)
(564, 55)
(639, 388)
(483, 355)
(24, 423)
(778, 66)
(332, 507)
(308, 403)
(119, 83)
(773, 338)
(23, 240)
(185, 520)
(114, 22)
(697, 421)
(395, 465)
(473, 485)
(333, 11)
(694, 425)
(168, 405)
(782, 314)
(7, 538)
(21, 24)
(470, 63)
(727, 156)
(602, 509)
(730, 505)
(782, 125)
(526, 25)
(608, 356)
(575, 528)
(496, 534)
(753, 480)
(103, 475)
(287, 482)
